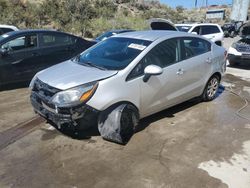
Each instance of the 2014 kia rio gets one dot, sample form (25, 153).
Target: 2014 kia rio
(125, 78)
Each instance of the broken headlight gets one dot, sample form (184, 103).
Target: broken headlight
(75, 95)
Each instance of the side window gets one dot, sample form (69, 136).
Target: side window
(164, 54)
(206, 30)
(20, 43)
(197, 30)
(195, 46)
(56, 40)
(6, 30)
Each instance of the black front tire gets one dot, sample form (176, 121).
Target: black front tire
(117, 123)
(211, 88)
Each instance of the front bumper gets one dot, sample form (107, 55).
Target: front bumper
(76, 117)
(244, 58)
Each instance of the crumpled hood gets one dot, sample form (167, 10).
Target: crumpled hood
(69, 74)
(244, 30)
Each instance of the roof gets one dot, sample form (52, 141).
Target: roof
(152, 35)
(120, 30)
(28, 31)
(20, 32)
(194, 24)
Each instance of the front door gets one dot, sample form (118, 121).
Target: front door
(18, 62)
(159, 91)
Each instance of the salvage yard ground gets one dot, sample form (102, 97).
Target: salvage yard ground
(191, 145)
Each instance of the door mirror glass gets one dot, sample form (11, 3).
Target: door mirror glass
(151, 70)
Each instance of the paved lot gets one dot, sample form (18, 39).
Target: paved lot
(191, 145)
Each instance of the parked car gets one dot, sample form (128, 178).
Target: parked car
(239, 52)
(111, 33)
(7, 28)
(231, 29)
(125, 78)
(23, 53)
(208, 30)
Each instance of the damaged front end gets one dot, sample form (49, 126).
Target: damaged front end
(75, 116)
(239, 52)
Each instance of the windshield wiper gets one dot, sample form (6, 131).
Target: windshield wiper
(88, 63)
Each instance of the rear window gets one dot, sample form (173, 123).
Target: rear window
(206, 30)
(57, 40)
(195, 47)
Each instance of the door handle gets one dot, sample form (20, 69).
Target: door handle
(209, 60)
(180, 72)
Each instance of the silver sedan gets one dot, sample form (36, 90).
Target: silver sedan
(127, 77)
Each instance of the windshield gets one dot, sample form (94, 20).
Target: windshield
(113, 53)
(183, 28)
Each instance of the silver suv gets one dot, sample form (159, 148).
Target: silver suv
(125, 78)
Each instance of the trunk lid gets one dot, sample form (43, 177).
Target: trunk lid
(162, 24)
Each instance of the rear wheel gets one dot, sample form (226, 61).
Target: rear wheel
(211, 88)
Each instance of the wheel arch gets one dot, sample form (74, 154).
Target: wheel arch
(114, 105)
(216, 74)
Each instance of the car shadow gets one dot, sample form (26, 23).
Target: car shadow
(245, 66)
(76, 133)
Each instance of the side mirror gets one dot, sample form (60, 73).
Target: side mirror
(151, 70)
(195, 33)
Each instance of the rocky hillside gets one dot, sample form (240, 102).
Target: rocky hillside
(91, 17)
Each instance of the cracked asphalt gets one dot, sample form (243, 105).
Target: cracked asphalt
(191, 145)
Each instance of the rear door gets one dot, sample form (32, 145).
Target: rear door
(196, 66)
(56, 48)
(18, 63)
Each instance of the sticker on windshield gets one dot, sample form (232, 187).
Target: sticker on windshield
(137, 46)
